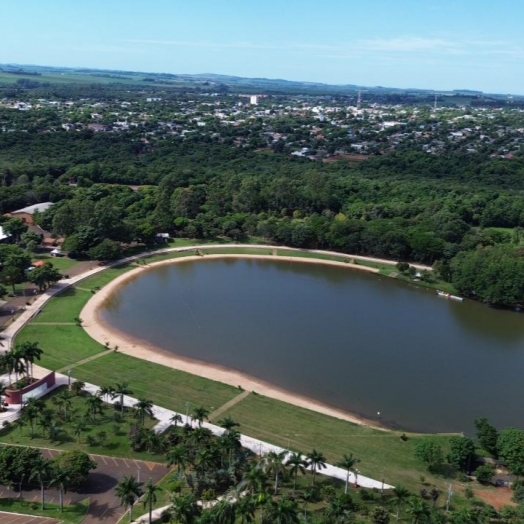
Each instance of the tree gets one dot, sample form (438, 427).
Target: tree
(297, 463)
(462, 450)
(44, 276)
(178, 456)
(484, 473)
(106, 250)
(429, 452)
(150, 497)
(510, 444)
(128, 490)
(94, 405)
(77, 387)
(184, 509)
(31, 411)
(176, 419)
(15, 227)
(418, 510)
(339, 508)
(401, 494)
(246, 507)
(487, 435)
(228, 423)
(380, 515)
(144, 407)
(224, 512)
(76, 464)
(29, 352)
(200, 414)
(316, 461)
(255, 480)
(41, 471)
(120, 390)
(274, 464)
(60, 478)
(348, 463)
(284, 511)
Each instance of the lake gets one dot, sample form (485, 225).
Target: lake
(353, 340)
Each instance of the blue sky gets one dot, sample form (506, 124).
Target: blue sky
(441, 44)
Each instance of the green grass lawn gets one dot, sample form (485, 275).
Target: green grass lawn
(166, 387)
(60, 263)
(381, 452)
(73, 514)
(65, 306)
(62, 345)
(116, 428)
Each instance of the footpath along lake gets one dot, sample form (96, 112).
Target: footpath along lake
(352, 340)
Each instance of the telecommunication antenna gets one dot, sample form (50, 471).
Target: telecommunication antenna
(435, 103)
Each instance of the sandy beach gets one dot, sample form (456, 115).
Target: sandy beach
(103, 333)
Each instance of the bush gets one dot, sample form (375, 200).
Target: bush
(484, 473)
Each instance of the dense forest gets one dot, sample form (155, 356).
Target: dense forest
(463, 214)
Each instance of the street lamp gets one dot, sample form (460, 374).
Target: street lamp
(69, 377)
(187, 411)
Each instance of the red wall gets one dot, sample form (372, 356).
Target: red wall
(14, 396)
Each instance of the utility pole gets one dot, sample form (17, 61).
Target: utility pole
(450, 494)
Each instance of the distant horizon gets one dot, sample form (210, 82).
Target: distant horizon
(275, 79)
(431, 45)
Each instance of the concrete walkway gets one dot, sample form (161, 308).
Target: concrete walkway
(227, 405)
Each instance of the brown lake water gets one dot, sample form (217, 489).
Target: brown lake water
(353, 340)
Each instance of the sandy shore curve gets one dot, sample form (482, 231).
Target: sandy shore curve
(100, 331)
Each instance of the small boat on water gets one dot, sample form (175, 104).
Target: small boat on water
(449, 295)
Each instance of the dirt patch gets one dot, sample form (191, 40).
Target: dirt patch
(497, 497)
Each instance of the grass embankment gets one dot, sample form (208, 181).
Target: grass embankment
(276, 422)
(73, 514)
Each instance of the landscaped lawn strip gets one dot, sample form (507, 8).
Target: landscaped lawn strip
(62, 345)
(73, 514)
(166, 387)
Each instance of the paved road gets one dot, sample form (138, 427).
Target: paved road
(99, 488)
(10, 518)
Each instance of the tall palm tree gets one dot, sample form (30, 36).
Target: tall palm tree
(120, 390)
(339, 509)
(200, 414)
(284, 511)
(246, 507)
(184, 509)
(94, 405)
(29, 352)
(78, 429)
(348, 463)
(150, 497)
(230, 442)
(41, 471)
(401, 494)
(62, 480)
(274, 464)
(224, 512)
(316, 461)
(144, 407)
(308, 496)
(178, 456)
(417, 510)
(255, 480)
(176, 419)
(31, 411)
(64, 400)
(106, 392)
(228, 423)
(297, 464)
(128, 490)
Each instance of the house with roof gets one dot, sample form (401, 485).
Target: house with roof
(26, 213)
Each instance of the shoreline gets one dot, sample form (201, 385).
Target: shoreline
(100, 331)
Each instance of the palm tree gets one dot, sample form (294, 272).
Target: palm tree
(348, 463)
(401, 494)
(309, 496)
(339, 509)
(228, 423)
(106, 392)
(29, 352)
(64, 400)
(224, 512)
(282, 512)
(297, 464)
(246, 507)
(230, 442)
(31, 411)
(316, 461)
(417, 510)
(178, 456)
(150, 497)
(94, 405)
(41, 471)
(120, 390)
(176, 419)
(128, 490)
(144, 407)
(78, 428)
(200, 414)
(274, 464)
(3, 389)
(61, 479)
(184, 510)
(77, 387)
(255, 480)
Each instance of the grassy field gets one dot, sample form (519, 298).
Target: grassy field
(60, 263)
(164, 386)
(73, 514)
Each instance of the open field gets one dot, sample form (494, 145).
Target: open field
(60, 263)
